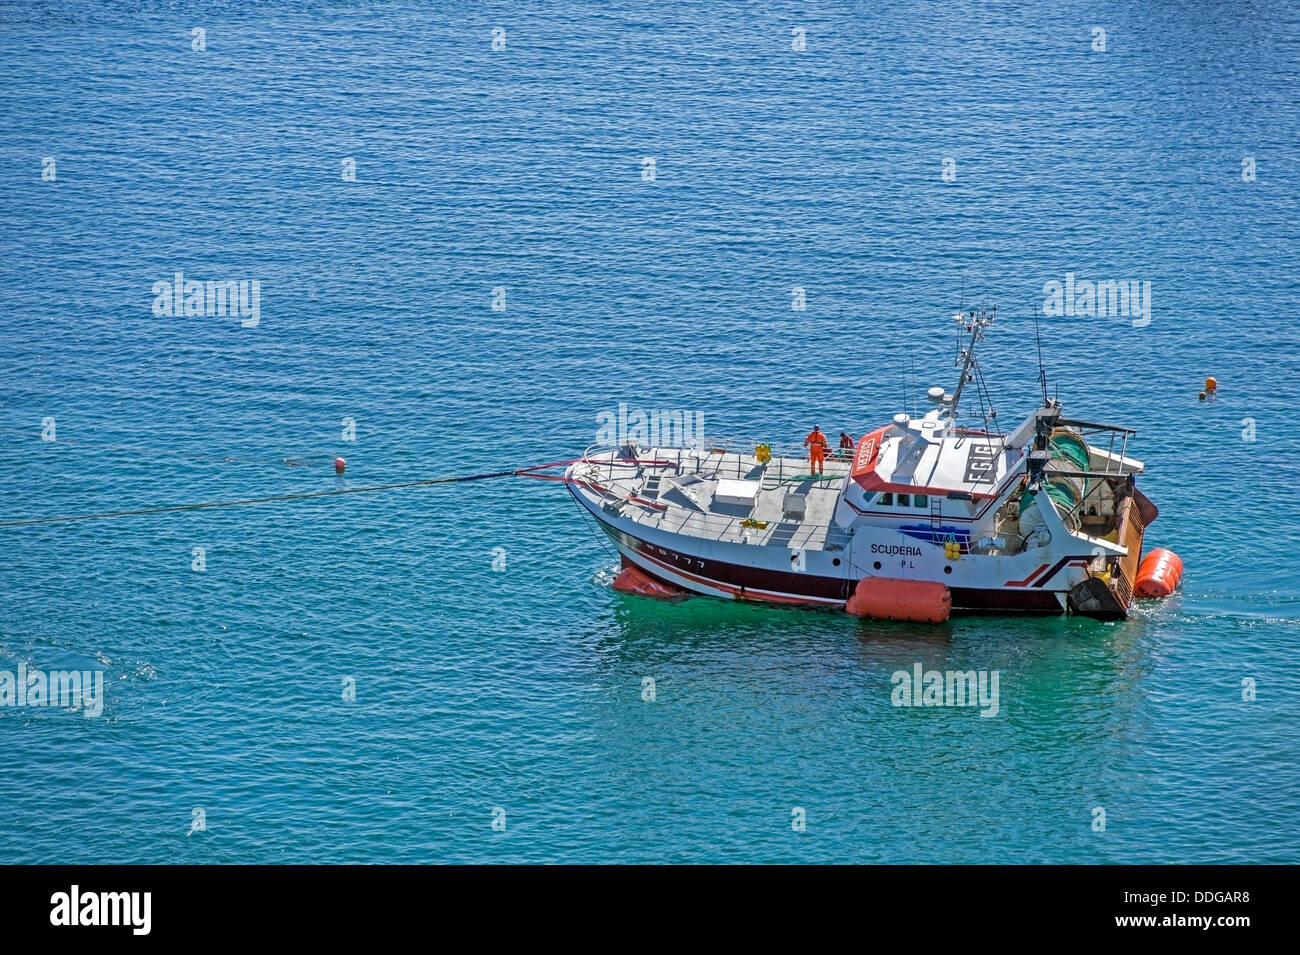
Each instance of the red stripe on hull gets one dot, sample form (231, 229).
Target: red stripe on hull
(1025, 582)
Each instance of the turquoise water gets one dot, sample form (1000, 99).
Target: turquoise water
(520, 688)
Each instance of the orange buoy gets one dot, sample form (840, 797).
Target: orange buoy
(633, 580)
(888, 598)
(1211, 384)
(340, 465)
(1159, 573)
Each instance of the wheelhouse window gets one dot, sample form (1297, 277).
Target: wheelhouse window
(886, 499)
(904, 500)
(920, 500)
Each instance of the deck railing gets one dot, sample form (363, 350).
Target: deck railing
(711, 457)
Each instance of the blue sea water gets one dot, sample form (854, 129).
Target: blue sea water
(519, 688)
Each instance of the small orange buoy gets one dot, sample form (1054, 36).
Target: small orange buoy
(1159, 573)
(340, 465)
(888, 598)
(633, 580)
(1211, 384)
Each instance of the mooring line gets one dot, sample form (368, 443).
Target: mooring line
(276, 498)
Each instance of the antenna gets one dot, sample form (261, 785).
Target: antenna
(1042, 375)
(911, 368)
(961, 311)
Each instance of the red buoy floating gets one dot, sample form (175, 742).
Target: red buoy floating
(340, 465)
(633, 580)
(1158, 574)
(888, 598)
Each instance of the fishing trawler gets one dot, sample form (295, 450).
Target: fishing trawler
(921, 518)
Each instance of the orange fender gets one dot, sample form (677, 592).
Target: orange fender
(1158, 574)
(887, 598)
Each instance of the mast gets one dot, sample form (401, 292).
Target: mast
(973, 323)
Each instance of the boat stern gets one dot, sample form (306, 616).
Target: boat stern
(1106, 592)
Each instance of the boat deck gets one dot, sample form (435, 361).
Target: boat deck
(677, 490)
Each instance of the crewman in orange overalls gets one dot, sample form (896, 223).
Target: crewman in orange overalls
(816, 442)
